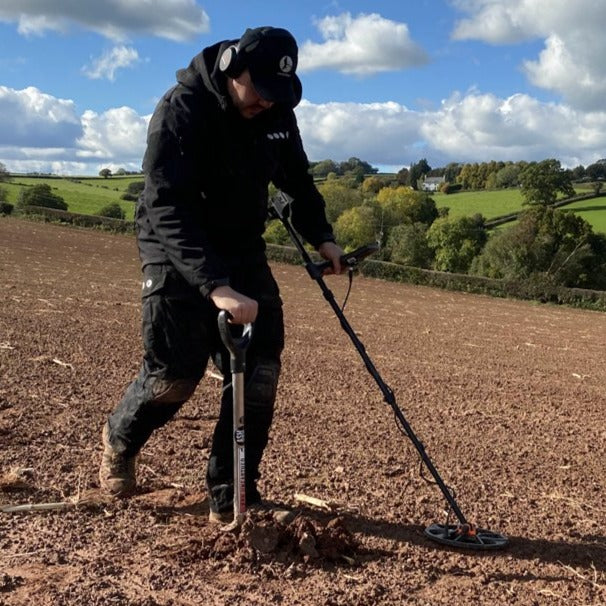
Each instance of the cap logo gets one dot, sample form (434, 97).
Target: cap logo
(286, 64)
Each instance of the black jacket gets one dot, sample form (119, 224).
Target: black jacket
(207, 171)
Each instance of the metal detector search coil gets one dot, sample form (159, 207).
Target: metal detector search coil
(463, 535)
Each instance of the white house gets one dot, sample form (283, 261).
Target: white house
(433, 183)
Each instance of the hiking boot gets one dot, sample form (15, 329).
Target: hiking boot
(220, 517)
(117, 472)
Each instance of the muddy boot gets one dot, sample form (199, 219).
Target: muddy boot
(220, 501)
(117, 472)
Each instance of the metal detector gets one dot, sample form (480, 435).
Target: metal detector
(463, 534)
(237, 347)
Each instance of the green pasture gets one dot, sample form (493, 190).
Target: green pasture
(593, 211)
(494, 203)
(83, 195)
(488, 203)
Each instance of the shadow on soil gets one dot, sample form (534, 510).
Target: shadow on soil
(589, 553)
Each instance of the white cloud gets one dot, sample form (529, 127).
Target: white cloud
(31, 118)
(363, 45)
(115, 19)
(572, 62)
(470, 128)
(44, 134)
(112, 60)
(115, 135)
(385, 132)
(517, 128)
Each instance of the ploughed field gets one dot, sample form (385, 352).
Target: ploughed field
(507, 396)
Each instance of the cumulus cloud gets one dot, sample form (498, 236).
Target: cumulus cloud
(116, 19)
(571, 62)
(465, 128)
(31, 118)
(43, 133)
(385, 132)
(118, 133)
(111, 61)
(361, 45)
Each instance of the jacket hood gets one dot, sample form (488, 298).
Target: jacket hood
(203, 73)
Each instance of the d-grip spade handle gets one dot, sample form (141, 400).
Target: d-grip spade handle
(236, 346)
(351, 259)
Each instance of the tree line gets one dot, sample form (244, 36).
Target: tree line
(546, 245)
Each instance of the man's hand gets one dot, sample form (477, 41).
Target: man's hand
(333, 253)
(243, 309)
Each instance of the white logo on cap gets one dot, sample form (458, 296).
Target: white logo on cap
(286, 64)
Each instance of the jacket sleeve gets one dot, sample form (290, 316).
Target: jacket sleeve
(308, 206)
(169, 196)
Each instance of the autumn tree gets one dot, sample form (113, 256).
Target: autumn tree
(356, 227)
(339, 197)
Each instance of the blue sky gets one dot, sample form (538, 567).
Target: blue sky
(389, 82)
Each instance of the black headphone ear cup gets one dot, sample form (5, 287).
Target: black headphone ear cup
(228, 61)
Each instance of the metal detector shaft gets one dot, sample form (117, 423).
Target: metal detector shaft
(388, 394)
(237, 347)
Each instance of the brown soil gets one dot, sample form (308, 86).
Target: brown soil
(507, 396)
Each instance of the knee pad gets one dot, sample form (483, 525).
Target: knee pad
(172, 391)
(262, 385)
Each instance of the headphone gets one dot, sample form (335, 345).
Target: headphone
(232, 61)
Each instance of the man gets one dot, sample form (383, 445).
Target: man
(215, 142)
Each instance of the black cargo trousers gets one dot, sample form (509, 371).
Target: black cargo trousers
(180, 335)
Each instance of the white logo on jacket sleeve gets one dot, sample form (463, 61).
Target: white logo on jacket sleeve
(279, 135)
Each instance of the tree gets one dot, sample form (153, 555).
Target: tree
(275, 233)
(357, 166)
(456, 242)
(133, 190)
(402, 176)
(338, 197)
(451, 171)
(40, 195)
(356, 227)
(540, 182)
(597, 170)
(417, 172)
(113, 211)
(403, 205)
(372, 185)
(553, 244)
(407, 244)
(578, 172)
(508, 176)
(105, 172)
(323, 168)
(4, 174)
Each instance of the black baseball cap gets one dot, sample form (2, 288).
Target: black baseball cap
(270, 54)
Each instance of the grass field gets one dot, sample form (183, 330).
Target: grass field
(88, 195)
(82, 195)
(489, 203)
(593, 211)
